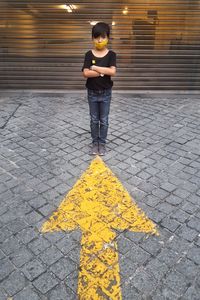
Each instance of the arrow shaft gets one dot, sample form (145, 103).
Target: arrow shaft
(99, 269)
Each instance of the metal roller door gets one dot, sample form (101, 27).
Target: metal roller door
(42, 43)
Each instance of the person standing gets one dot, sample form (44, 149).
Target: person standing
(99, 66)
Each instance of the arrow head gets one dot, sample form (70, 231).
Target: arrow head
(98, 201)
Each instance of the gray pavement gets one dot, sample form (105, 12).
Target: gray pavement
(154, 149)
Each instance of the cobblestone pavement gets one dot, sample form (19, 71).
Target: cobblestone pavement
(154, 149)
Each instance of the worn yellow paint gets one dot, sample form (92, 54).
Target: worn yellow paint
(98, 204)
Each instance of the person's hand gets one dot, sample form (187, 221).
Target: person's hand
(93, 68)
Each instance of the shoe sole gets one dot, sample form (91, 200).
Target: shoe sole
(102, 154)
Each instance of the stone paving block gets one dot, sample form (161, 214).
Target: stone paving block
(160, 193)
(197, 241)
(124, 245)
(156, 268)
(6, 268)
(178, 245)
(197, 281)
(21, 256)
(61, 188)
(53, 237)
(189, 207)
(38, 245)
(4, 234)
(180, 216)
(20, 188)
(63, 267)
(137, 255)
(185, 176)
(194, 223)
(27, 235)
(6, 196)
(135, 237)
(53, 182)
(156, 215)
(194, 180)
(164, 294)
(176, 180)
(17, 225)
(187, 233)
(28, 195)
(61, 292)
(14, 283)
(33, 182)
(8, 216)
(176, 282)
(2, 255)
(151, 170)
(26, 294)
(72, 281)
(33, 217)
(151, 245)
(45, 282)
(182, 193)
(21, 209)
(74, 254)
(187, 268)
(66, 244)
(143, 175)
(174, 200)
(129, 292)
(33, 269)
(50, 255)
(42, 187)
(10, 245)
(3, 295)
(168, 187)
(51, 195)
(3, 208)
(192, 293)
(46, 210)
(170, 224)
(126, 269)
(168, 256)
(144, 282)
(190, 187)
(194, 255)
(3, 188)
(165, 207)
(152, 200)
(190, 170)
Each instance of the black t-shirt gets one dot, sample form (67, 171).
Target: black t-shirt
(99, 83)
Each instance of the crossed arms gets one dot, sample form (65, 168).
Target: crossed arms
(96, 71)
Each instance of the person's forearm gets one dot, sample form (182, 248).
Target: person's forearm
(104, 70)
(90, 73)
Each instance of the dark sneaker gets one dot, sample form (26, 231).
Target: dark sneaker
(94, 149)
(102, 149)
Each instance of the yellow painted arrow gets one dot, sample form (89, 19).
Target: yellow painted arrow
(97, 204)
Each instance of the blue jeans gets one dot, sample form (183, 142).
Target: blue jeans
(99, 105)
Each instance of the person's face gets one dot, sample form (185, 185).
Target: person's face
(100, 42)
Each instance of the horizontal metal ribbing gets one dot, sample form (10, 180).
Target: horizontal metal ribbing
(157, 44)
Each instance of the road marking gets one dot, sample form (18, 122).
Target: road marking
(97, 204)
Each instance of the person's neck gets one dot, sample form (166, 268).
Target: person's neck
(100, 52)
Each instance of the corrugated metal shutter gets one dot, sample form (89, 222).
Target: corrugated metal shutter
(42, 43)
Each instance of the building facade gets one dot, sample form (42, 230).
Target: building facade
(43, 42)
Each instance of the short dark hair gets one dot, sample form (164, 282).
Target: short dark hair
(100, 29)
